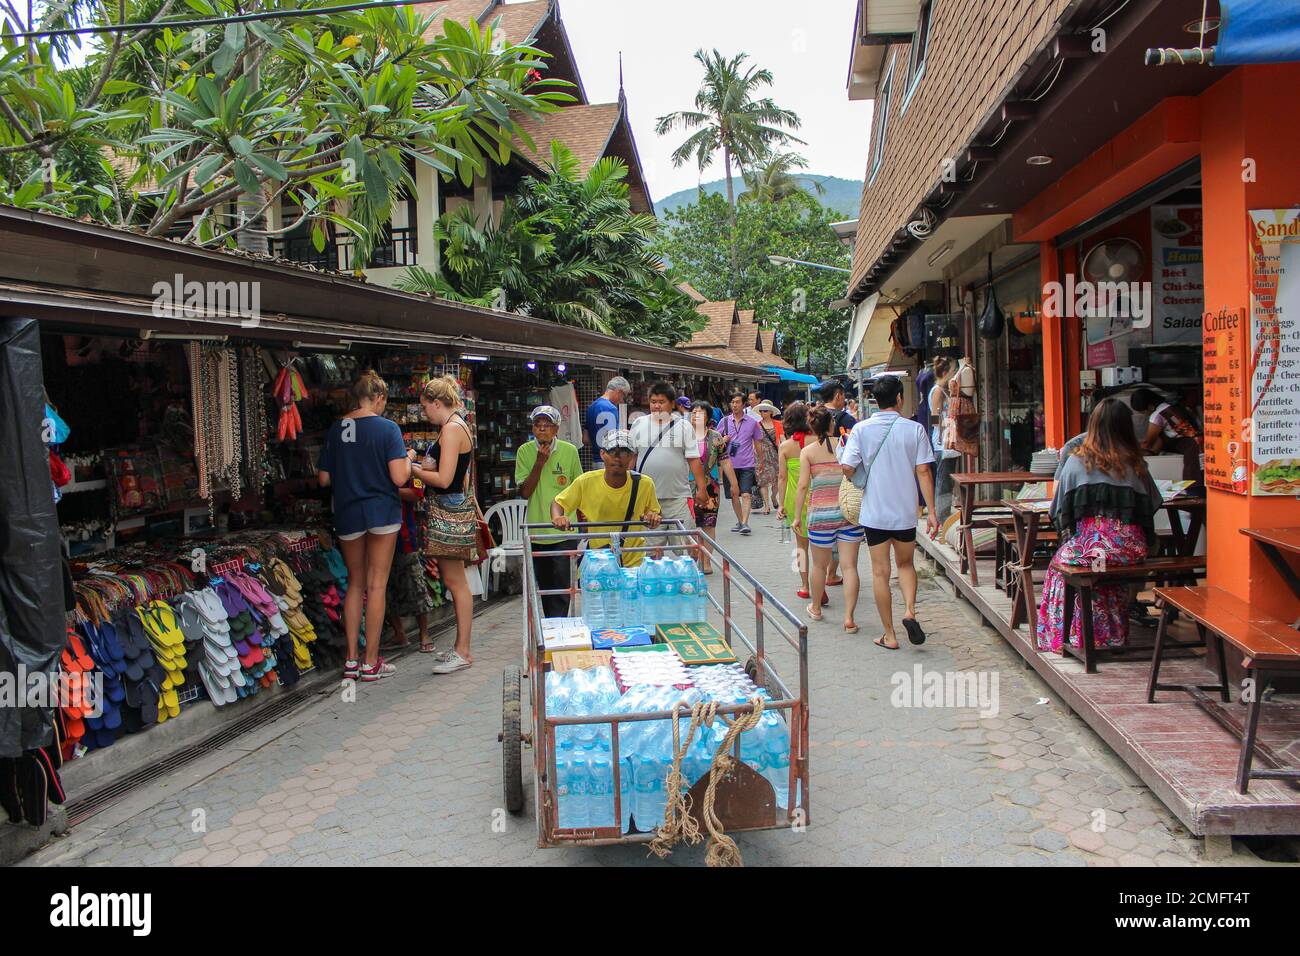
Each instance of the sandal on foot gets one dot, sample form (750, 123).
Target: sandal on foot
(914, 632)
(814, 614)
(850, 628)
(834, 584)
(427, 648)
(880, 642)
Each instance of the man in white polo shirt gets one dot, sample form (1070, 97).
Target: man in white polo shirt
(896, 454)
(668, 452)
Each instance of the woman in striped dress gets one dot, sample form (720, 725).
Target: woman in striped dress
(819, 485)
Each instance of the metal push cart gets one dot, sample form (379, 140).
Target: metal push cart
(743, 800)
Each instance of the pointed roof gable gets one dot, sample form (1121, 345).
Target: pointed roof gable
(717, 333)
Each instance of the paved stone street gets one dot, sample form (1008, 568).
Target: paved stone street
(410, 772)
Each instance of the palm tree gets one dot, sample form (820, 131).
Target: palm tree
(772, 178)
(728, 117)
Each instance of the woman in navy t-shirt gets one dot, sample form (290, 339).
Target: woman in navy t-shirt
(365, 462)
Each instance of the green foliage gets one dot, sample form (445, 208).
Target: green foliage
(569, 249)
(793, 300)
(327, 113)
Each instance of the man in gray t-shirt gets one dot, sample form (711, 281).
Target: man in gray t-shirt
(667, 451)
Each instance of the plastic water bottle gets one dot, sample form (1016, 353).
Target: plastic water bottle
(626, 772)
(648, 580)
(593, 607)
(701, 593)
(670, 602)
(602, 788)
(649, 793)
(611, 586)
(631, 598)
(579, 789)
(776, 758)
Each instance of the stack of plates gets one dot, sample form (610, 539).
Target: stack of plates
(1043, 462)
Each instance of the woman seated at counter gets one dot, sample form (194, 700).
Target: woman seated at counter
(1104, 509)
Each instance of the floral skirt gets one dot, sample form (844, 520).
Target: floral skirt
(1094, 539)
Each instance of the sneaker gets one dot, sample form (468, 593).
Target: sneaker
(379, 671)
(745, 529)
(351, 669)
(449, 663)
(739, 527)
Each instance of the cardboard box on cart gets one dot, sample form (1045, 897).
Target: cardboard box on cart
(696, 643)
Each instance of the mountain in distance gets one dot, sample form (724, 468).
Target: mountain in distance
(842, 195)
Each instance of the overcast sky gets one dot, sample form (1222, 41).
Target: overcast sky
(805, 43)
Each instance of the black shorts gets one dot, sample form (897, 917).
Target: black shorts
(745, 481)
(875, 536)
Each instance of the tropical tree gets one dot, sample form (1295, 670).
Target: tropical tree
(795, 301)
(772, 179)
(729, 117)
(326, 112)
(568, 248)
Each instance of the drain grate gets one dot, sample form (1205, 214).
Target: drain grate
(83, 809)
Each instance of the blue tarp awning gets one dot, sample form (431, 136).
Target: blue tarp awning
(790, 375)
(1258, 31)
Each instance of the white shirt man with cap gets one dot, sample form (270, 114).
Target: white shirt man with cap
(668, 452)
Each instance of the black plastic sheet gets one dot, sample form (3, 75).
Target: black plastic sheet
(32, 631)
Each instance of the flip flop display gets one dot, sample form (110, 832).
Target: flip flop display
(152, 640)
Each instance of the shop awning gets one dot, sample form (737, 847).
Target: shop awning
(89, 274)
(1257, 31)
(790, 375)
(869, 331)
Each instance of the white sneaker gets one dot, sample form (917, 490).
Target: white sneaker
(449, 663)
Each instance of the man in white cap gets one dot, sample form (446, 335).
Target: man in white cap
(606, 413)
(544, 467)
(668, 452)
(613, 494)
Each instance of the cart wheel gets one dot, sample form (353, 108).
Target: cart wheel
(751, 669)
(511, 744)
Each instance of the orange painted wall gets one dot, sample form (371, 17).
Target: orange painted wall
(1250, 114)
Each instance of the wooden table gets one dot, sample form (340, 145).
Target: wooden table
(965, 484)
(1028, 514)
(1273, 541)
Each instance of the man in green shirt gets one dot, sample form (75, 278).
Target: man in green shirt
(544, 467)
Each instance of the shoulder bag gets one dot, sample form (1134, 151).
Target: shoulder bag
(452, 530)
(852, 489)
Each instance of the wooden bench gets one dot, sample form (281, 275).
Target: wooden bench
(1269, 647)
(1082, 581)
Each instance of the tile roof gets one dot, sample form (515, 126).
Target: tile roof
(519, 21)
(717, 334)
(743, 341)
(584, 129)
(462, 11)
(975, 52)
(690, 290)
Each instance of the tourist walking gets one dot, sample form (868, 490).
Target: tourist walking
(713, 451)
(365, 462)
(544, 467)
(741, 431)
(451, 533)
(766, 449)
(605, 413)
(669, 454)
(820, 475)
(936, 403)
(1104, 510)
(888, 456)
(796, 427)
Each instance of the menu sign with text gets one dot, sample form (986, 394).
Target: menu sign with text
(1224, 350)
(1275, 351)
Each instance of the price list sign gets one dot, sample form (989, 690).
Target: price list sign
(1275, 351)
(1226, 452)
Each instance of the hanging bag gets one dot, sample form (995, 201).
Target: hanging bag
(452, 530)
(852, 489)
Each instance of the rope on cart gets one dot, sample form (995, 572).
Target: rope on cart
(678, 823)
(722, 849)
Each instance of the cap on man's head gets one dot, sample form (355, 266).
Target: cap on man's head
(618, 384)
(615, 440)
(545, 411)
(684, 401)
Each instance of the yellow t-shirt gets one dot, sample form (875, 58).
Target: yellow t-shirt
(599, 502)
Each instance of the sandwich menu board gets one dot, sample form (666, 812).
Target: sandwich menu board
(1274, 351)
